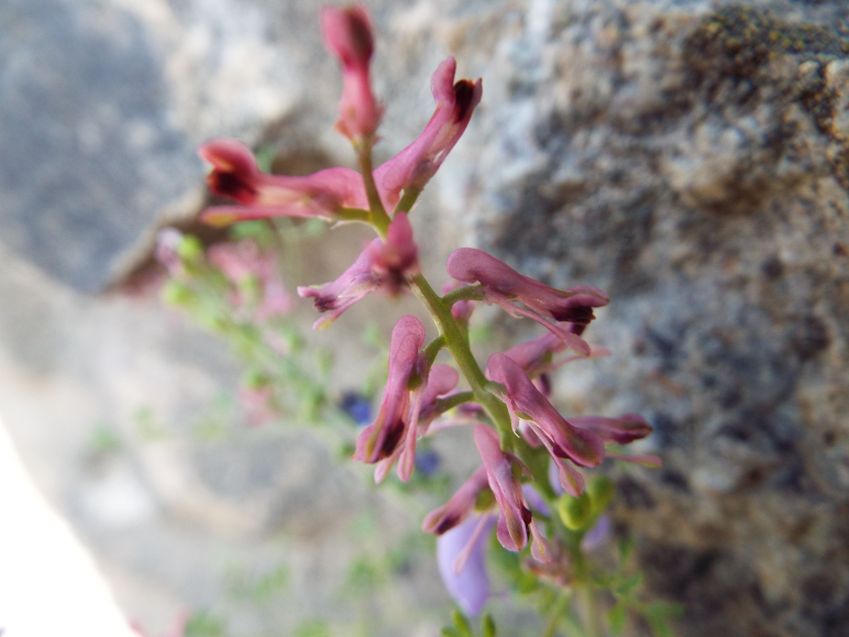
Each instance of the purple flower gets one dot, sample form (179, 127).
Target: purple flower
(562, 440)
(413, 167)
(460, 555)
(458, 507)
(384, 265)
(380, 439)
(520, 295)
(348, 35)
(235, 175)
(515, 521)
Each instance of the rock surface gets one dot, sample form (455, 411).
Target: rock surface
(691, 157)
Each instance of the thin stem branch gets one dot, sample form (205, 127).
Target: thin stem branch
(466, 293)
(379, 218)
(458, 345)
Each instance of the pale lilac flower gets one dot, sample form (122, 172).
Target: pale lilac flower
(460, 555)
(380, 439)
(598, 535)
(520, 295)
(385, 265)
(348, 35)
(235, 175)
(413, 167)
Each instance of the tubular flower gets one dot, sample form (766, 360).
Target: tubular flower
(515, 521)
(520, 295)
(562, 440)
(536, 356)
(382, 265)
(413, 167)
(422, 410)
(235, 174)
(381, 438)
(349, 36)
(459, 506)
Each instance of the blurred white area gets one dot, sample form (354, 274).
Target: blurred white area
(49, 586)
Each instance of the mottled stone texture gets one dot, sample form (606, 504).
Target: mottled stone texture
(691, 159)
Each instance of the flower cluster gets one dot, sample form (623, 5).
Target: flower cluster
(515, 427)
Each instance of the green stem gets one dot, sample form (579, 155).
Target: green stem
(433, 348)
(590, 612)
(467, 293)
(379, 218)
(458, 345)
(555, 617)
(454, 400)
(408, 199)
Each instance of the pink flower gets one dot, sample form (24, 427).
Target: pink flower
(243, 261)
(380, 439)
(348, 35)
(515, 521)
(385, 265)
(413, 167)
(622, 430)
(520, 295)
(458, 507)
(562, 440)
(235, 175)
(536, 357)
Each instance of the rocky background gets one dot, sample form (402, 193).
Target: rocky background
(690, 157)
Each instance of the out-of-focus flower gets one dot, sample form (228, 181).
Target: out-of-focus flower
(460, 555)
(598, 535)
(357, 406)
(167, 249)
(622, 430)
(235, 175)
(413, 167)
(244, 261)
(385, 265)
(563, 441)
(348, 34)
(520, 295)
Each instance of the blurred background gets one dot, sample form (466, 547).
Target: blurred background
(690, 157)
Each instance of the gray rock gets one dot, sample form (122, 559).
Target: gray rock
(692, 161)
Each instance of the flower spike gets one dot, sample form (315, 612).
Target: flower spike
(349, 36)
(235, 175)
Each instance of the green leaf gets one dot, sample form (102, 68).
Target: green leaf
(464, 628)
(488, 626)
(601, 491)
(617, 617)
(628, 586)
(575, 513)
